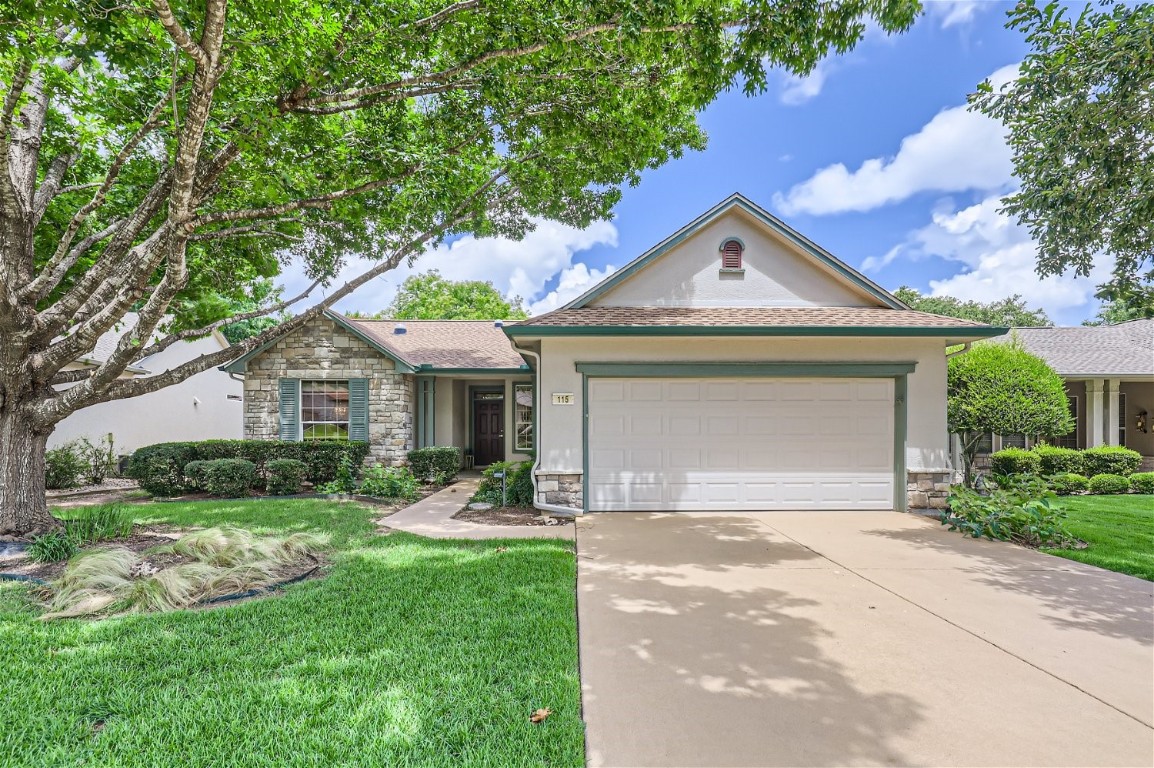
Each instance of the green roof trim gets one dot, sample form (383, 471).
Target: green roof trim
(977, 332)
(737, 200)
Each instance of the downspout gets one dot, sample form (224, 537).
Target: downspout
(556, 509)
(965, 348)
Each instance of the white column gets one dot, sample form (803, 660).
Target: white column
(1095, 412)
(1112, 406)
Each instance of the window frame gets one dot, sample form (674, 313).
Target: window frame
(1070, 439)
(518, 423)
(1122, 419)
(302, 425)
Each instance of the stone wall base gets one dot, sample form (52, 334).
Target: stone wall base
(927, 490)
(559, 489)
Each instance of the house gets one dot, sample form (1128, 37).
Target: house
(1109, 375)
(202, 407)
(735, 365)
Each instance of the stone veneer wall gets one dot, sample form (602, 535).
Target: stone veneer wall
(321, 350)
(927, 490)
(564, 490)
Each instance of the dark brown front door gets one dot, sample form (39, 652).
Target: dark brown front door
(488, 431)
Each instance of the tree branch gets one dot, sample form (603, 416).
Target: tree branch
(51, 186)
(442, 15)
(178, 33)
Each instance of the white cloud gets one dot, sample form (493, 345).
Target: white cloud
(950, 13)
(573, 282)
(957, 150)
(515, 267)
(798, 89)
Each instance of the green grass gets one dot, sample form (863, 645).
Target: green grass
(410, 652)
(1118, 529)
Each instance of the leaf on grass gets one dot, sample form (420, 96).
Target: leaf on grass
(502, 549)
(540, 715)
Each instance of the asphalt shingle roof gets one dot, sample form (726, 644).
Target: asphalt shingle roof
(444, 343)
(1126, 349)
(747, 316)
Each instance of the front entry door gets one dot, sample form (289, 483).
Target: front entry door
(488, 430)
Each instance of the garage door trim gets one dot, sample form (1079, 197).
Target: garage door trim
(898, 371)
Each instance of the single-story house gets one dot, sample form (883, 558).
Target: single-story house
(206, 406)
(1109, 375)
(734, 366)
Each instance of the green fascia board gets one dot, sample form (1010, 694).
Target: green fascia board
(980, 332)
(738, 200)
(719, 370)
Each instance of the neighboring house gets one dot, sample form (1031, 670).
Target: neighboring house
(1109, 374)
(202, 407)
(735, 366)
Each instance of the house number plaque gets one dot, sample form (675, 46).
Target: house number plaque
(563, 398)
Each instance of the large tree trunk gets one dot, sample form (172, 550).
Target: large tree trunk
(23, 506)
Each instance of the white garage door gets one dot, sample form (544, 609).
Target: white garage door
(740, 444)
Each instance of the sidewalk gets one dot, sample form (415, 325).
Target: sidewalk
(433, 517)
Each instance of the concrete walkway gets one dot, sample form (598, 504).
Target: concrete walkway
(432, 516)
(854, 639)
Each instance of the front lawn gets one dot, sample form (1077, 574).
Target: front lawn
(410, 652)
(1118, 529)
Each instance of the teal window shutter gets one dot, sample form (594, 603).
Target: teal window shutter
(290, 397)
(359, 410)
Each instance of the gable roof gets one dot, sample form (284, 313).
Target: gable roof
(1126, 349)
(738, 201)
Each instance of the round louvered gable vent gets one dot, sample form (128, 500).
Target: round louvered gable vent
(731, 251)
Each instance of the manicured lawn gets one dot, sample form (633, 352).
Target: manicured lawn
(410, 652)
(1119, 530)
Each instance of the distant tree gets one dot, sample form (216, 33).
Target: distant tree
(1010, 312)
(429, 296)
(1114, 312)
(1080, 122)
(1000, 388)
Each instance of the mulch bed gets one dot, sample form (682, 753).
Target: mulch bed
(142, 538)
(506, 516)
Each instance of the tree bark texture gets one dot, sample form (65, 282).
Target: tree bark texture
(23, 506)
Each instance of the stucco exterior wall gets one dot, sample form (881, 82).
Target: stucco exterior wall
(1139, 397)
(561, 425)
(776, 275)
(321, 350)
(198, 408)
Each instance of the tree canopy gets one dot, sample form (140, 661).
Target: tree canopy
(1081, 128)
(1010, 312)
(429, 296)
(1114, 312)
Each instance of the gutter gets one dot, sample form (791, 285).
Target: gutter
(965, 348)
(554, 508)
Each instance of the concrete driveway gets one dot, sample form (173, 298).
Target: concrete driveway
(815, 638)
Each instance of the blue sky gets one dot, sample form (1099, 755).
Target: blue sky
(873, 156)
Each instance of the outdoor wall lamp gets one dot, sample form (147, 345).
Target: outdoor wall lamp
(1141, 420)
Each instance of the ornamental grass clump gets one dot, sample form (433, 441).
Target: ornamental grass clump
(216, 562)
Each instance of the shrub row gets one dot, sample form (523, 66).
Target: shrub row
(1051, 460)
(1066, 483)
(436, 464)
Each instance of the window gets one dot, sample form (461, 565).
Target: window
(731, 251)
(1121, 418)
(523, 416)
(1070, 440)
(325, 410)
(1016, 440)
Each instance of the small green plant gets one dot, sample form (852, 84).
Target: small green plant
(518, 484)
(1142, 482)
(52, 547)
(1107, 484)
(345, 480)
(1021, 509)
(285, 476)
(1014, 461)
(436, 464)
(1110, 460)
(196, 475)
(1055, 461)
(229, 478)
(390, 483)
(103, 522)
(99, 458)
(63, 467)
(1065, 483)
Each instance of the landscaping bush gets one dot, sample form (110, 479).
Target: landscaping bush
(436, 464)
(159, 475)
(345, 480)
(1065, 483)
(229, 478)
(520, 490)
(1107, 483)
(1053, 460)
(63, 467)
(1142, 482)
(390, 483)
(52, 547)
(1110, 460)
(103, 522)
(99, 458)
(195, 475)
(285, 476)
(1022, 510)
(1014, 461)
(518, 484)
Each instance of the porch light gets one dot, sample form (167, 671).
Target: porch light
(1141, 420)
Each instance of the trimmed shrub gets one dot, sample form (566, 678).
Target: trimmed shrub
(1053, 460)
(195, 475)
(229, 478)
(1142, 482)
(285, 476)
(518, 484)
(389, 483)
(436, 464)
(1014, 461)
(63, 467)
(1022, 510)
(1107, 483)
(1065, 483)
(159, 475)
(1110, 460)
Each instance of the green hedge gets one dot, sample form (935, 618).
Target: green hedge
(1055, 461)
(1142, 482)
(1110, 460)
(1065, 483)
(436, 464)
(1014, 461)
(160, 468)
(1106, 483)
(229, 478)
(285, 476)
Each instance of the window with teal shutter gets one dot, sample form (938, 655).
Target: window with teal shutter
(290, 409)
(359, 410)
